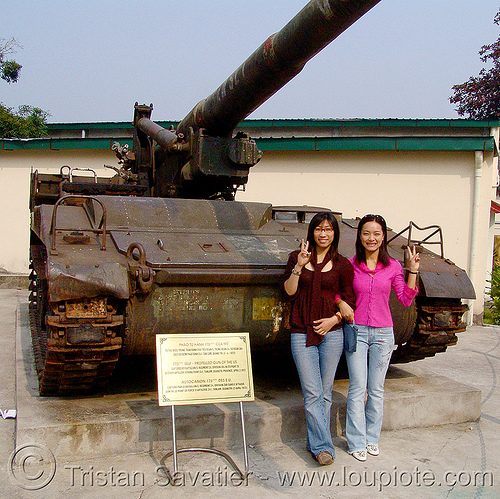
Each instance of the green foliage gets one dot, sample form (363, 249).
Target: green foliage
(27, 122)
(494, 309)
(479, 97)
(9, 69)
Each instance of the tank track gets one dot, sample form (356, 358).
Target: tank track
(62, 368)
(438, 322)
(37, 308)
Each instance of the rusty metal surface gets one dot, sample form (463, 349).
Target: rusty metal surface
(76, 345)
(81, 351)
(447, 284)
(437, 324)
(439, 277)
(186, 214)
(94, 308)
(190, 309)
(87, 204)
(75, 281)
(174, 250)
(163, 137)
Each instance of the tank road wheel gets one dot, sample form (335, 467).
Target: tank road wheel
(76, 344)
(438, 321)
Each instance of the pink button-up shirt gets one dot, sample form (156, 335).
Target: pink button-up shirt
(373, 288)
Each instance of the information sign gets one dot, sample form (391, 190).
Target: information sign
(204, 368)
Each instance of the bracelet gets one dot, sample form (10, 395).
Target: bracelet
(296, 272)
(410, 272)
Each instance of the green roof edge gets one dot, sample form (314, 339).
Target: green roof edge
(287, 144)
(301, 123)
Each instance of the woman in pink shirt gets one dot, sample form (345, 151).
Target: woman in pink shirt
(375, 274)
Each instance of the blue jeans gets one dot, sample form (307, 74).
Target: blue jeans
(317, 366)
(367, 369)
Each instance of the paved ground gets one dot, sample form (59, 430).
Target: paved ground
(450, 461)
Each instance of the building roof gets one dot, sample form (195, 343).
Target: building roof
(295, 134)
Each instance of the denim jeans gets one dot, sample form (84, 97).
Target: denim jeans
(367, 369)
(317, 365)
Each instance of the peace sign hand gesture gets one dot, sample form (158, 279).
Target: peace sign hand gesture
(413, 259)
(304, 255)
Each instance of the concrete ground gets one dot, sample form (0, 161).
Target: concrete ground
(458, 460)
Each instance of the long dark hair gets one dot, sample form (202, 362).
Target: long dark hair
(383, 255)
(315, 221)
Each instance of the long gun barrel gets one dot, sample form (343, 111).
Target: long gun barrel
(281, 57)
(202, 158)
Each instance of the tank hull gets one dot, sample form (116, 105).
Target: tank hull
(181, 266)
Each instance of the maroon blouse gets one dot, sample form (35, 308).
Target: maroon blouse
(337, 281)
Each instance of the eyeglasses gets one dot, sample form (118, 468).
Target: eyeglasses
(326, 230)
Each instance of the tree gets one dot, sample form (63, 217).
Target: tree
(27, 121)
(9, 69)
(479, 96)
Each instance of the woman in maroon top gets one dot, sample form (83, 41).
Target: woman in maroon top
(314, 276)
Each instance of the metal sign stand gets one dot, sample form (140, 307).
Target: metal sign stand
(207, 368)
(175, 452)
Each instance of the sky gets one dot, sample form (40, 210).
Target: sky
(91, 60)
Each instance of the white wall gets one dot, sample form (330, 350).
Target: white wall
(427, 188)
(15, 167)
